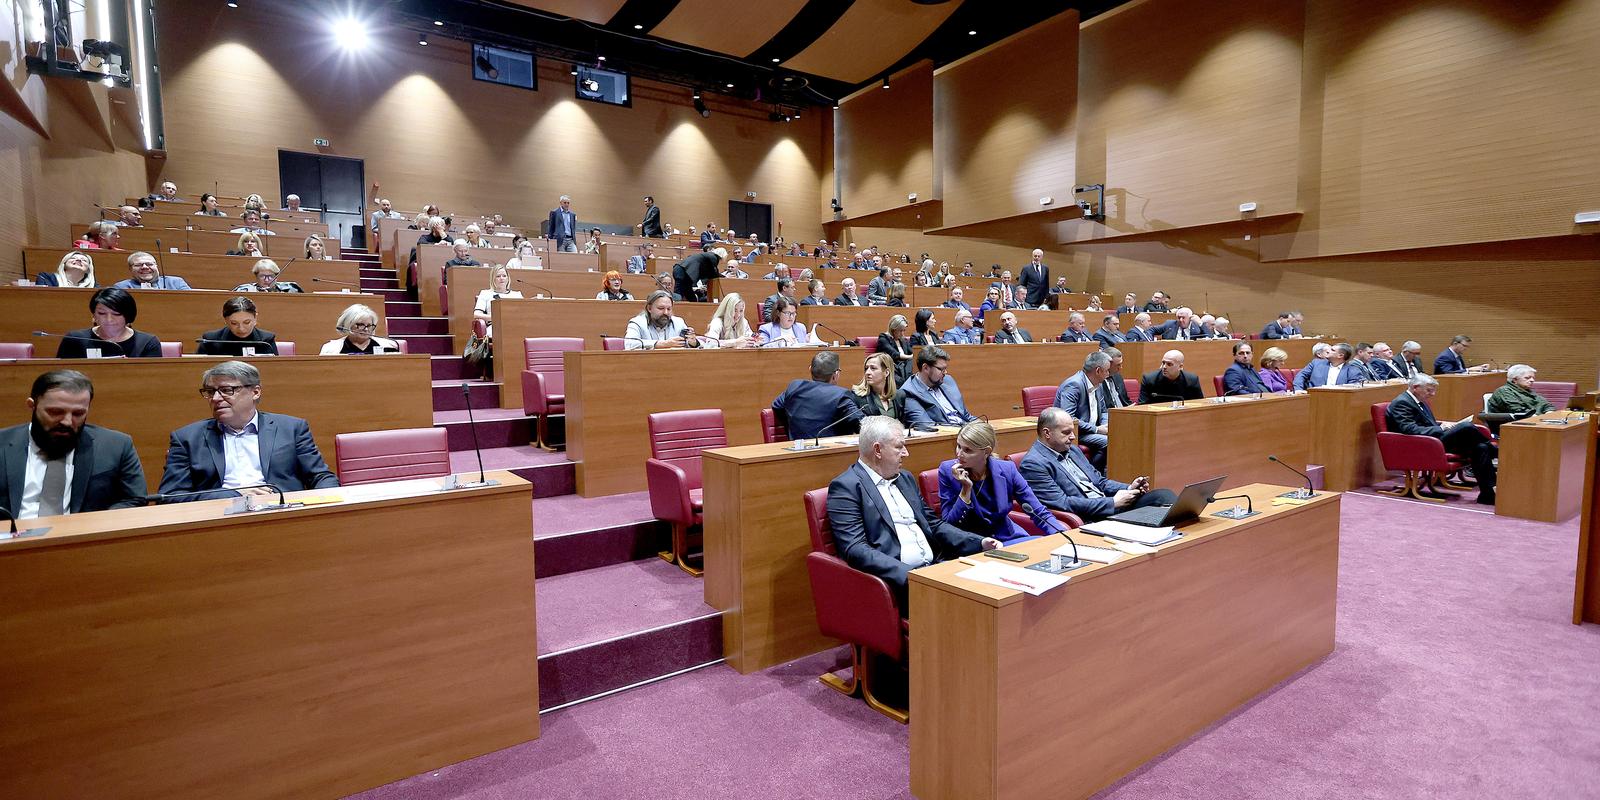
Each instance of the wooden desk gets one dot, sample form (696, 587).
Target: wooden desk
(399, 241)
(616, 251)
(756, 537)
(172, 651)
(1586, 583)
(466, 282)
(1204, 439)
(177, 316)
(1163, 644)
(1461, 394)
(1343, 440)
(281, 246)
(1541, 467)
(431, 260)
(611, 448)
(149, 398)
(201, 271)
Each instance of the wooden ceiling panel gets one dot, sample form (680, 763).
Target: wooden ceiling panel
(597, 11)
(870, 37)
(737, 29)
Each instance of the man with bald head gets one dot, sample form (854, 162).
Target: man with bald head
(1170, 382)
(1035, 281)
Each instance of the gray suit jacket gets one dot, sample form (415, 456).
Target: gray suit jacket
(289, 458)
(1042, 469)
(105, 470)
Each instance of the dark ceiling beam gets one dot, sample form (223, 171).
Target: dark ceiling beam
(641, 16)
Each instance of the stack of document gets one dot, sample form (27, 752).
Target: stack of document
(1138, 534)
(1025, 580)
(1102, 555)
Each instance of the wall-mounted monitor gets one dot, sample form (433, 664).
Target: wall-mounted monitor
(504, 66)
(603, 86)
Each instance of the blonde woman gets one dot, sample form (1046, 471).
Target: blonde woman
(359, 324)
(316, 250)
(75, 270)
(875, 394)
(249, 245)
(499, 287)
(978, 488)
(728, 326)
(474, 237)
(526, 258)
(266, 279)
(1271, 361)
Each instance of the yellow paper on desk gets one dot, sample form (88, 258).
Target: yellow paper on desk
(1290, 501)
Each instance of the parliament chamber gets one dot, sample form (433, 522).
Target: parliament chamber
(757, 398)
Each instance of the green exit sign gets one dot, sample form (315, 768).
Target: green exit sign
(320, 142)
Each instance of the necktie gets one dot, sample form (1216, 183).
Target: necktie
(54, 488)
(1076, 474)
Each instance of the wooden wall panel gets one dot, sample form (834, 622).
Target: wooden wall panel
(1189, 108)
(733, 28)
(870, 37)
(999, 151)
(883, 144)
(429, 133)
(1447, 123)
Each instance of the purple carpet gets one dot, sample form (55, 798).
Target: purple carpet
(585, 607)
(554, 516)
(506, 458)
(1457, 674)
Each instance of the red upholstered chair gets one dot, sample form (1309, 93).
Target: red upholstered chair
(852, 606)
(172, 349)
(613, 343)
(544, 381)
(771, 429)
(1559, 394)
(868, 343)
(444, 299)
(393, 455)
(1288, 375)
(16, 350)
(1216, 381)
(480, 329)
(286, 349)
(1132, 385)
(1422, 458)
(928, 482)
(1036, 399)
(672, 472)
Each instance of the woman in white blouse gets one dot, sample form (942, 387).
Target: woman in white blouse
(728, 326)
(499, 287)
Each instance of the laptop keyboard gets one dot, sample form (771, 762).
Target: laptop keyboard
(1149, 515)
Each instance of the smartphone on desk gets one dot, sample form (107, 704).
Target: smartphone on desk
(1005, 555)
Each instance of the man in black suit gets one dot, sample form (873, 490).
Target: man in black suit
(1409, 361)
(1009, 333)
(880, 523)
(1158, 302)
(1035, 280)
(1130, 304)
(1383, 366)
(1409, 414)
(691, 275)
(1110, 333)
(57, 463)
(1184, 328)
(1116, 387)
(1077, 329)
(1141, 330)
(241, 446)
(651, 226)
(1280, 328)
(1170, 382)
(847, 295)
(809, 407)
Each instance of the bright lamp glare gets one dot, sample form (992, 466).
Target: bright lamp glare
(351, 34)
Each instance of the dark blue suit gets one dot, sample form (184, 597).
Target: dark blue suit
(1276, 331)
(1136, 335)
(1042, 469)
(1109, 338)
(1382, 369)
(1070, 335)
(806, 407)
(1449, 363)
(988, 515)
(196, 460)
(864, 534)
(1169, 329)
(1316, 374)
(1242, 379)
(922, 411)
(561, 225)
(105, 470)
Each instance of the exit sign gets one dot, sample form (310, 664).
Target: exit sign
(320, 142)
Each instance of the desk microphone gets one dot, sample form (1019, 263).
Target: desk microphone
(1232, 513)
(1066, 534)
(466, 392)
(315, 279)
(521, 282)
(1180, 400)
(200, 494)
(1298, 494)
(10, 516)
(845, 341)
(816, 440)
(121, 351)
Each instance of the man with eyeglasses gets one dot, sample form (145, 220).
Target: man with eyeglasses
(241, 446)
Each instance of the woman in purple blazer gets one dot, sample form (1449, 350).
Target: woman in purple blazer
(1271, 361)
(977, 489)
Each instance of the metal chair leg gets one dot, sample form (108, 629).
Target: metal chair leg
(541, 436)
(1411, 489)
(679, 552)
(860, 683)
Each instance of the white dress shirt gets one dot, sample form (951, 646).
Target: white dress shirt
(241, 452)
(1094, 406)
(33, 482)
(1333, 375)
(914, 548)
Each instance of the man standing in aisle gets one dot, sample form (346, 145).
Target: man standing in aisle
(562, 227)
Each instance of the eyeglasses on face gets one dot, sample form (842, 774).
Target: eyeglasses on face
(207, 392)
(364, 327)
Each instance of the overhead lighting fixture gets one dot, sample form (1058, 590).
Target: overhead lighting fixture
(638, 27)
(972, 33)
(730, 86)
(351, 33)
(774, 60)
(422, 39)
(439, 22)
(600, 58)
(573, 70)
(700, 106)
(697, 94)
(233, 4)
(886, 81)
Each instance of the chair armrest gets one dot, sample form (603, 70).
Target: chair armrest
(854, 606)
(669, 492)
(534, 398)
(1403, 451)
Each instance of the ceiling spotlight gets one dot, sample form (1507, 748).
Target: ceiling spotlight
(730, 86)
(351, 33)
(439, 22)
(574, 70)
(638, 27)
(700, 106)
(774, 60)
(422, 39)
(886, 81)
(233, 4)
(600, 58)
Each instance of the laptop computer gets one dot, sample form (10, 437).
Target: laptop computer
(1191, 501)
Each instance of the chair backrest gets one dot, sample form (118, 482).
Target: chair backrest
(171, 349)
(444, 298)
(1380, 417)
(286, 349)
(771, 429)
(544, 355)
(816, 502)
(1016, 459)
(677, 437)
(392, 455)
(1132, 385)
(1036, 399)
(16, 349)
(1216, 381)
(480, 329)
(928, 482)
(1558, 393)
(1288, 375)
(868, 344)
(613, 343)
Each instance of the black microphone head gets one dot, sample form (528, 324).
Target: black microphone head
(1272, 458)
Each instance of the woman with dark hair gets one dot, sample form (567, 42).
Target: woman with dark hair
(926, 333)
(240, 337)
(112, 335)
(208, 206)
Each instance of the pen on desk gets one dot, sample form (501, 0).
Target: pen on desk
(969, 562)
(1016, 583)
